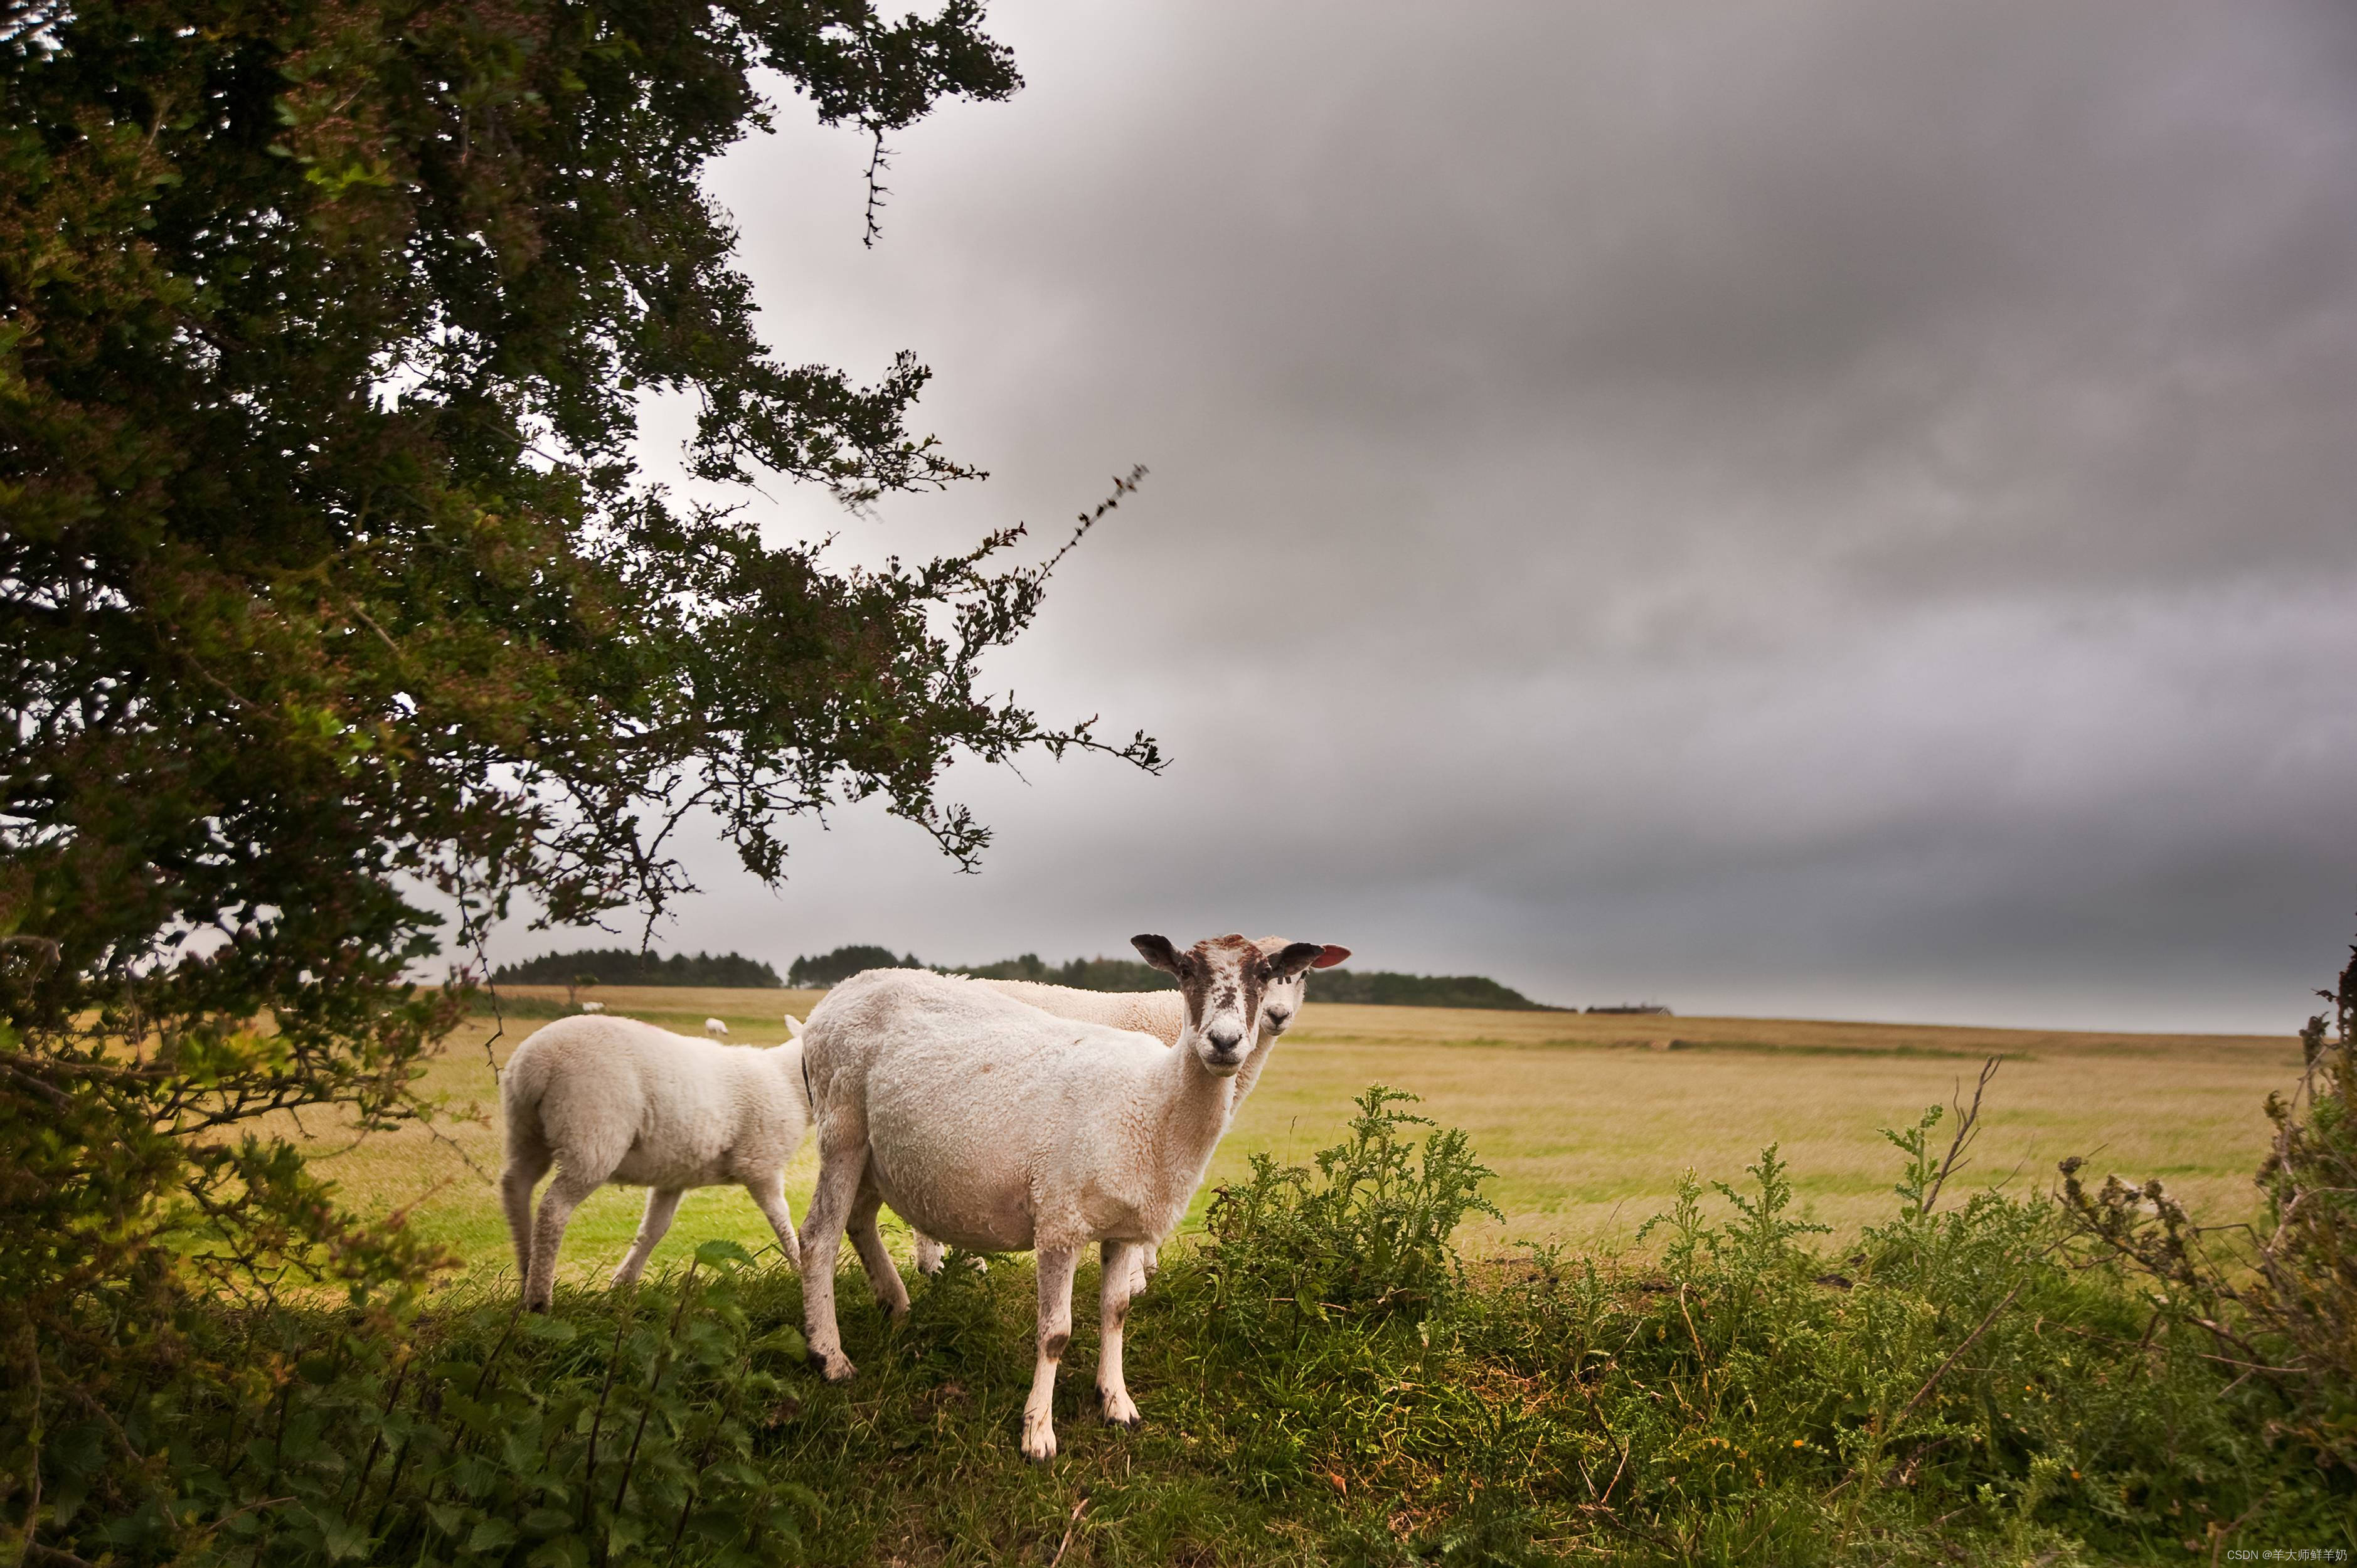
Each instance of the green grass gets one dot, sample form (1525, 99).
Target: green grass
(1588, 1128)
(1959, 1392)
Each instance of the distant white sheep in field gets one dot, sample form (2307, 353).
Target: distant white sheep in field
(593, 1006)
(715, 1028)
(1161, 1013)
(614, 1100)
(992, 1125)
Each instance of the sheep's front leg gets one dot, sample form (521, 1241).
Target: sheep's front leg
(1056, 1265)
(842, 1167)
(1145, 1258)
(663, 1203)
(1112, 1311)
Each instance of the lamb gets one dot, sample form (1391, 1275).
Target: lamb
(593, 1006)
(715, 1028)
(991, 1124)
(1161, 1013)
(614, 1100)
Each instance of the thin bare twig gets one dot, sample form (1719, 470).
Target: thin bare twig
(1967, 1130)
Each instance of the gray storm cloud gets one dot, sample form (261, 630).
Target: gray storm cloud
(1832, 508)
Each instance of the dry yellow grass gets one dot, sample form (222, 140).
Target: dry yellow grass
(1586, 1126)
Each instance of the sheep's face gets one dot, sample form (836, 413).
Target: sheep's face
(1281, 997)
(1223, 981)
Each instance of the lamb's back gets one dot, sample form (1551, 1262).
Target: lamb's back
(1156, 1013)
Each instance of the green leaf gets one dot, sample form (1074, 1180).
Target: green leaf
(341, 1536)
(492, 1535)
(546, 1522)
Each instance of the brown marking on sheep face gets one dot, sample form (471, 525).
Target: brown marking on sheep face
(1221, 973)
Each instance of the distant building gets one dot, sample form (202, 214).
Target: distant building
(1652, 1009)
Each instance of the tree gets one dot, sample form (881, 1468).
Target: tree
(328, 578)
(825, 969)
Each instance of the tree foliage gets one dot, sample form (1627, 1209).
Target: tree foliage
(330, 588)
(825, 969)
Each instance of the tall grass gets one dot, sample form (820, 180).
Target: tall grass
(1324, 1380)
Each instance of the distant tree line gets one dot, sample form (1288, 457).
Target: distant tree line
(1384, 989)
(622, 966)
(1378, 987)
(818, 970)
(1080, 973)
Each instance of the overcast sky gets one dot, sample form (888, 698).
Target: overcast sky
(1829, 509)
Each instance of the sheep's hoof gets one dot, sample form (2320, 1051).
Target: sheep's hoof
(834, 1367)
(1120, 1411)
(1038, 1438)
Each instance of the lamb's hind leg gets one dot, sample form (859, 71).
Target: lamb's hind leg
(769, 1195)
(527, 1161)
(1056, 1265)
(843, 1169)
(663, 1203)
(891, 1291)
(1112, 1311)
(565, 1194)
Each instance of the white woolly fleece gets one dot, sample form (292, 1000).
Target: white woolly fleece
(993, 1125)
(616, 1099)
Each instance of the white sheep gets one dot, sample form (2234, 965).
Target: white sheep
(715, 1028)
(1161, 1013)
(993, 1125)
(614, 1100)
(593, 1006)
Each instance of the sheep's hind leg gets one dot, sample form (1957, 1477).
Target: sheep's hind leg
(1145, 1258)
(1056, 1265)
(1112, 1311)
(663, 1203)
(565, 1194)
(842, 1170)
(891, 1293)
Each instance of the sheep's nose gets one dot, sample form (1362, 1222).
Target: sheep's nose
(1278, 1017)
(1225, 1041)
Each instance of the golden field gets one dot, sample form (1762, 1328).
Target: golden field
(1586, 1120)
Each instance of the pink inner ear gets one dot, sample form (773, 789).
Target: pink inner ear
(1329, 957)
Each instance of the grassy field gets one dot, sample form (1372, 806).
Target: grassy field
(1589, 1121)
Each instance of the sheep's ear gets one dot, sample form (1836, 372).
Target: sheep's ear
(1328, 956)
(1293, 958)
(1157, 951)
